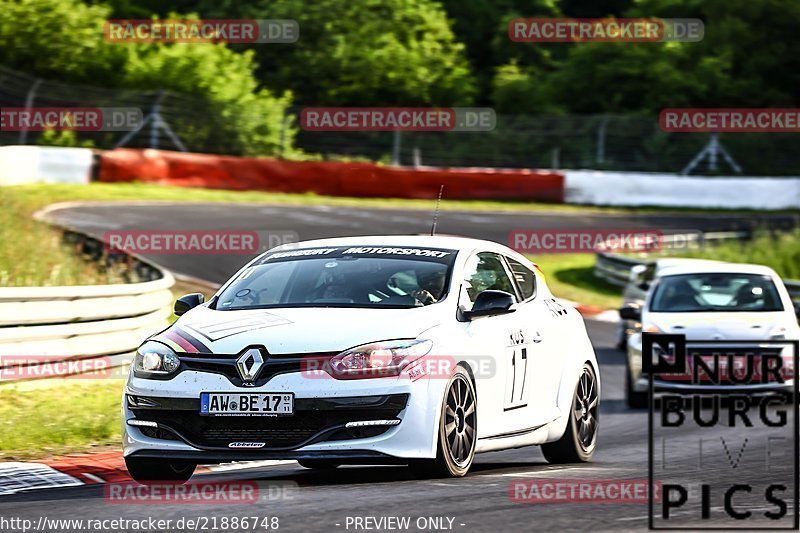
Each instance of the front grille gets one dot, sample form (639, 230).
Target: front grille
(157, 433)
(314, 420)
(274, 365)
(740, 370)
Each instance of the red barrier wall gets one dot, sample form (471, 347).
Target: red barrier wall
(327, 178)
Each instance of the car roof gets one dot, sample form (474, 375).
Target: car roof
(670, 262)
(718, 268)
(438, 241)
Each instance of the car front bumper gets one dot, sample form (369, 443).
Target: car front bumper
(640, 381)
(318, 428)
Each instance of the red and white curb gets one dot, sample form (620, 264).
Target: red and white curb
(90, 469)
(19, 477)
(596, 313)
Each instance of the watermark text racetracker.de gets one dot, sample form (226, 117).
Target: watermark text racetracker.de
(167, 242)
(211, 522)
(429, 366)
(627, 30)
(746, 120)
(590, 491)
(70, 118)
(241, 31)
(397, 119)
(582, 240)
(199, 492)
(27, 367)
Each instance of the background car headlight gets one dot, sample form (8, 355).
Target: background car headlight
(153, 359)
(778, 333)
(378, 359)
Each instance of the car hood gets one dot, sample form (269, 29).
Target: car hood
(300, 330)
(721, 326)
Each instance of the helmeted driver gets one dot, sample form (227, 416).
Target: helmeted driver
(431, 287)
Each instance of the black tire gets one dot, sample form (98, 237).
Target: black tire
(458, 431)
(579, 441)
(318, 464)
(634, 398)
(149, 471)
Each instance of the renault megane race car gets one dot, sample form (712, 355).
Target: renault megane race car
(412, 350)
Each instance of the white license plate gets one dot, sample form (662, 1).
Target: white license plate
(241, 404)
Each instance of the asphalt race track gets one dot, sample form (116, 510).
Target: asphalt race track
(324, 501)
(315, 222)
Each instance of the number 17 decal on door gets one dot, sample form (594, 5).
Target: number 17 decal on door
(516, 356)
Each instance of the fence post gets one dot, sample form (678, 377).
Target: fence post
(601, 140)
(396, 148)
(23, 133)
(156, 122)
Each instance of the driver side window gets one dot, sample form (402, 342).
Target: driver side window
(485, 271)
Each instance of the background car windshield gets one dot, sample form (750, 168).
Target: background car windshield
(715, 292)
(338, 282)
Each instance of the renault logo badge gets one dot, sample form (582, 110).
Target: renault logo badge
(249, 364)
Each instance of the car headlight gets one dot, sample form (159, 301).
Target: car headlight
(652, 328)
(778, 333)
(379, 359)
(154, 360)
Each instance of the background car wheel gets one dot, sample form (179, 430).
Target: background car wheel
(634, 398)
(622, 337)
(578, 443)
(318, 464)
(148, 471)
(457, 431)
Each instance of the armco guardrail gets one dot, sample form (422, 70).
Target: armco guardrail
(616, 270)
(42, 328)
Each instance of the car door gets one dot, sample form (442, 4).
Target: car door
(538, 357)
(504, 383)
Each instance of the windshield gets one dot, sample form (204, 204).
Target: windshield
(715, 292)
(379, 277)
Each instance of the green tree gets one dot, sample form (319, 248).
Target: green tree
(753, 46)
(57, 39)
(372, 52)
(63, 40)
(522, 90)
(482, 25)
(631, 77)
(749, 57)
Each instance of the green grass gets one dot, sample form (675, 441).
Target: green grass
(780, 252)
(34, 254)
(52, 417)
(37, 196)
(571, 276)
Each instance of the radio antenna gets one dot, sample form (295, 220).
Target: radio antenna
(436, 212)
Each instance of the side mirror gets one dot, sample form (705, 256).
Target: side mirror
(490, 303)
(631, 312)
(636, 271)
(188, 302)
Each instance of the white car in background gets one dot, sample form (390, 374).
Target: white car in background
(398, 349)
(710, 302)
(639, 282)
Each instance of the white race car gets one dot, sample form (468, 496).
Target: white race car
(713, 302)
(413, 350)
